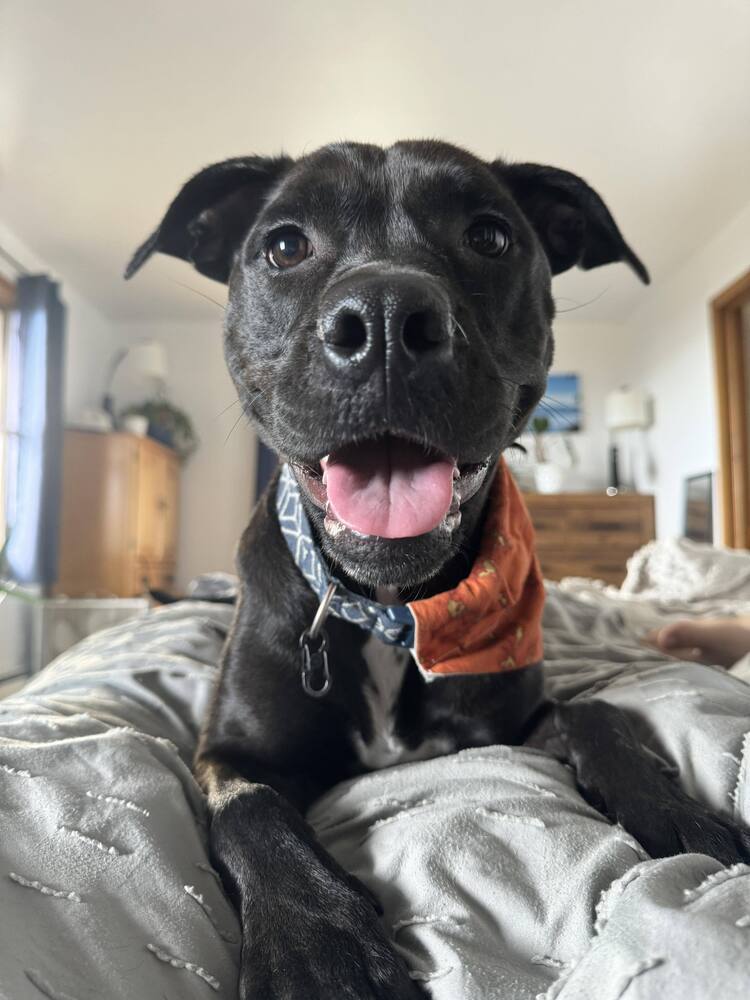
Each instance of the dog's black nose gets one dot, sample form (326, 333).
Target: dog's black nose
(376, 316)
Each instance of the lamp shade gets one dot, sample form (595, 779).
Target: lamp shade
(627, 408)
(149, 357)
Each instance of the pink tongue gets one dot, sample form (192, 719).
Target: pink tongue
(389, 488)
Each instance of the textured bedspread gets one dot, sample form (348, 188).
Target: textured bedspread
(499, 882)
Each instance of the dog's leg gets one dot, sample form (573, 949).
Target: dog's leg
(310, 930)
(625, 782)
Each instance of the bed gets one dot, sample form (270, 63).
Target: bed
(498, 881)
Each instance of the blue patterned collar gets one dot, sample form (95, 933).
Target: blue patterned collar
(393, 624)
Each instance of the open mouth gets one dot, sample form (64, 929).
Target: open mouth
(390, 487)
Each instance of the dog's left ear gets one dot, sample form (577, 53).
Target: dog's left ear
(571, 220)
(208, 220)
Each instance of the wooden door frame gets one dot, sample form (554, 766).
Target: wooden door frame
(732, 386)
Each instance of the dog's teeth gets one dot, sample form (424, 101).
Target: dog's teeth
(332, 526)
(324, 477)
(456, 472)
(452, 519)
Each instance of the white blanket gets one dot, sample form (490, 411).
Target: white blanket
(499, 882)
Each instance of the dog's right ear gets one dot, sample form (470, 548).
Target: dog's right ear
(207, 221)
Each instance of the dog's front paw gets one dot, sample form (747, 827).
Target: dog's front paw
(667, 821)
(325, 944)
(621, 779)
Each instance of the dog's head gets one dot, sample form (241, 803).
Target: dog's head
(389, 325)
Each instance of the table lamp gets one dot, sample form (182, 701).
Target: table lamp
(148, 358)
(626, 409)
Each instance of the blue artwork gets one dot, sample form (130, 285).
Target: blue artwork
(561, 404)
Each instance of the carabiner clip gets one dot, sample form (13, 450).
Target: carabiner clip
(315, 672)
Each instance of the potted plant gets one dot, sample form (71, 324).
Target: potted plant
(548, 475)
(166, 424)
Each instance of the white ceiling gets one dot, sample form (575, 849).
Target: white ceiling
(106, 108)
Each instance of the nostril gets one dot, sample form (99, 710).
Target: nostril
(348, 334)
(422, 331)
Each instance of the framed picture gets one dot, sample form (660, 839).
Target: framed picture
(561, 405)
(699, 517)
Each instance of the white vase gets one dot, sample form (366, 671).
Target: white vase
(548, 477)
(135, 423)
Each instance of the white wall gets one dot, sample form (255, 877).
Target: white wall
(217, 481)
(669, 340)
(665, 348)
(594, 352)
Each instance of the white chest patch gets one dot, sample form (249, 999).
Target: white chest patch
(386, 669)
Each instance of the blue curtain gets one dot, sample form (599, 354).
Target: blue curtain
(34, 420)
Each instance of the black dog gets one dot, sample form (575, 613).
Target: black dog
(389, 332)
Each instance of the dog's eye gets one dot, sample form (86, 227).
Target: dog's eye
(287, 248)
(488, 237)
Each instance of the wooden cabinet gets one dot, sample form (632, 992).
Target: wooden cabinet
(589, 534)
(118, 528)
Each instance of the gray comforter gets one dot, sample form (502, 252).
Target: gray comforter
(498, 881)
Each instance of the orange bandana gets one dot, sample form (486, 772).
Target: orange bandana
(492, 621)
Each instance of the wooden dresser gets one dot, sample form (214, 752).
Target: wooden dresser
(589, 534)
(118, 528)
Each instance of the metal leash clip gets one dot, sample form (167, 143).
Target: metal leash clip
(313, 644)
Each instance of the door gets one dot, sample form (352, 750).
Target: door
(731, 314)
